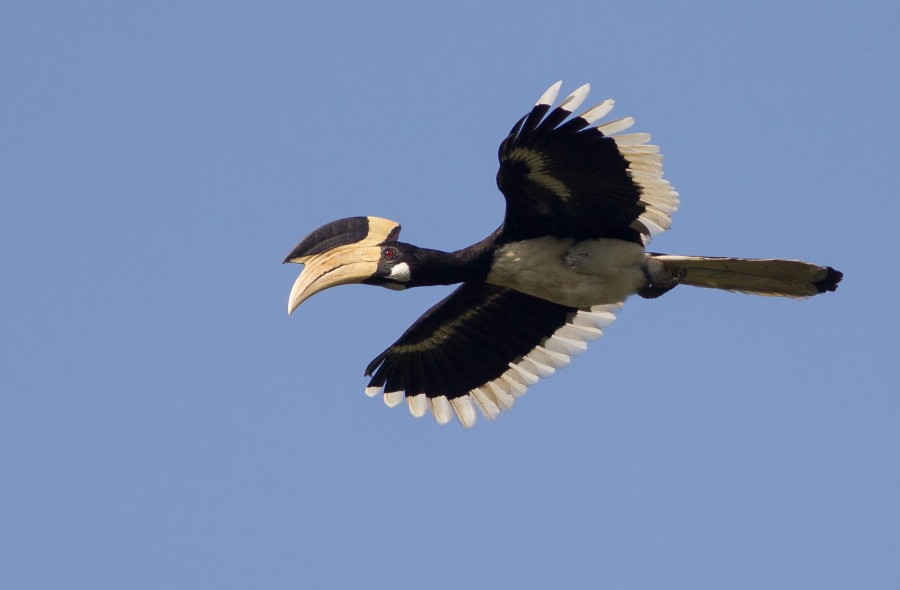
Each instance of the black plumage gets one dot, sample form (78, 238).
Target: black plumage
(602, 201)
(465, 325)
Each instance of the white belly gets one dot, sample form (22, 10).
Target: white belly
(578, 274)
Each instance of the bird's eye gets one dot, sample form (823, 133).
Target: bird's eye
(390, 253)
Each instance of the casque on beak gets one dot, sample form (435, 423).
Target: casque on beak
(342, 252)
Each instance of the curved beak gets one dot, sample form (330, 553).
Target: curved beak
(342, 252)
(343, 265)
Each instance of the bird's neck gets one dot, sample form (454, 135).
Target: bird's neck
(435, 267)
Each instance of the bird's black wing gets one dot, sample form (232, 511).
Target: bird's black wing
(572, 179)
(482, 344)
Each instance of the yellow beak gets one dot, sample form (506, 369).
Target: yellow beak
(343, 265)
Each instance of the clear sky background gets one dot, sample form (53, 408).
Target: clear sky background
(165, 424)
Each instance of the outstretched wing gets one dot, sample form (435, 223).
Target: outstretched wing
(481, 345)
(572, 179)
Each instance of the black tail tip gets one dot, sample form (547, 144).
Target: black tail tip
(831, 280)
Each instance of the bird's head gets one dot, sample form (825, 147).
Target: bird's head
(349, 251)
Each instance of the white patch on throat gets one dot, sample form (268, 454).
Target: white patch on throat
(400, 272)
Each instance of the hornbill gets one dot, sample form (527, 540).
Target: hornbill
(582, 202)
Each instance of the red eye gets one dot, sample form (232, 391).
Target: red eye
(390, 253)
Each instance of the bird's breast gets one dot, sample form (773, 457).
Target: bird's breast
(577, 274)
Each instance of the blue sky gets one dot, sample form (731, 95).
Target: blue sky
(164, 423)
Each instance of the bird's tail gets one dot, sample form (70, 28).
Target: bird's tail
(782, 278)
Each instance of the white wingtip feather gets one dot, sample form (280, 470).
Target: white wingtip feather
(527, 371)
(518, 383)
(542, 361)
(392, 399)
(616, 126)
(503, 392)
(549, 95)
(488, 408)
(464, 410)
(441, 409)
(632, 140)
(574, 100)
(418, 405)
(599, 111)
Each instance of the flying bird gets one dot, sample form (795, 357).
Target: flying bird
(583, 201)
